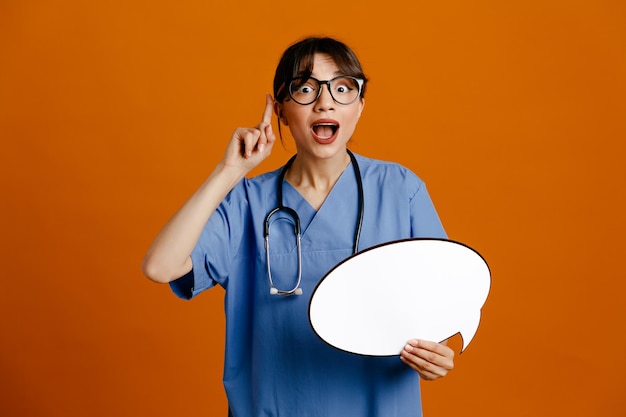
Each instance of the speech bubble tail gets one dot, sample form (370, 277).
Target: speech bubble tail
(469, 329)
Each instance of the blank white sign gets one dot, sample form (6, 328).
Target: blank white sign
(375, 301)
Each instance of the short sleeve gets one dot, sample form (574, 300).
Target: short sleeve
(425, 221)
(218, 244)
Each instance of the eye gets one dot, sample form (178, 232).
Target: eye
(342, 89)
(344, 85)
(304, 89)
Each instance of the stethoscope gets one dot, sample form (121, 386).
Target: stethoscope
(296, 226)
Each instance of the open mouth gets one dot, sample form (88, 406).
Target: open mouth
(325, 130)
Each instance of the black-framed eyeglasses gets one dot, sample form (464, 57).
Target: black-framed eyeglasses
(344, 89)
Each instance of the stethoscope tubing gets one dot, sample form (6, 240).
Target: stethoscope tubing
(296, 220)
(273, 290)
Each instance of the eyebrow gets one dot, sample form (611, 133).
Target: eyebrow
(335, 74)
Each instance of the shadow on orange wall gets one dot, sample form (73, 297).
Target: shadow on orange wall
(111, 115)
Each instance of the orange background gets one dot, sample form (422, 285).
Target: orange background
(112, 113)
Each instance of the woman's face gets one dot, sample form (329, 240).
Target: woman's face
(323, 128)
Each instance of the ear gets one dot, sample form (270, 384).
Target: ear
(362, 106)
(278, 109)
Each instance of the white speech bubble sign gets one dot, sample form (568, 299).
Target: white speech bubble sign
(373, 302)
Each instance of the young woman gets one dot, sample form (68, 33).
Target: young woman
(275, 365)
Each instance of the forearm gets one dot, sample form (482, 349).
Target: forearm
(168, 257)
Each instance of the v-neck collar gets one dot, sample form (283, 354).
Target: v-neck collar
(341, 201)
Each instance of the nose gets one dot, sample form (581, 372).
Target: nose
(325, 101)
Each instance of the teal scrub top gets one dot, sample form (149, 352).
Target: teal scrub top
(275, 365)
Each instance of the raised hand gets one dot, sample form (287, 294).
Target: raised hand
(168, 257)
(248, 147)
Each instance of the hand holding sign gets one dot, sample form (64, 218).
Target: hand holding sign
(375, 301)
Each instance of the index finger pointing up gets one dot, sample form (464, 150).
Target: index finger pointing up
(269, 108)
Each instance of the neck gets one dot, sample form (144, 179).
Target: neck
(314, 179)
(318, 174)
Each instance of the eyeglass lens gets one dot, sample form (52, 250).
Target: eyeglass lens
(344, 90)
